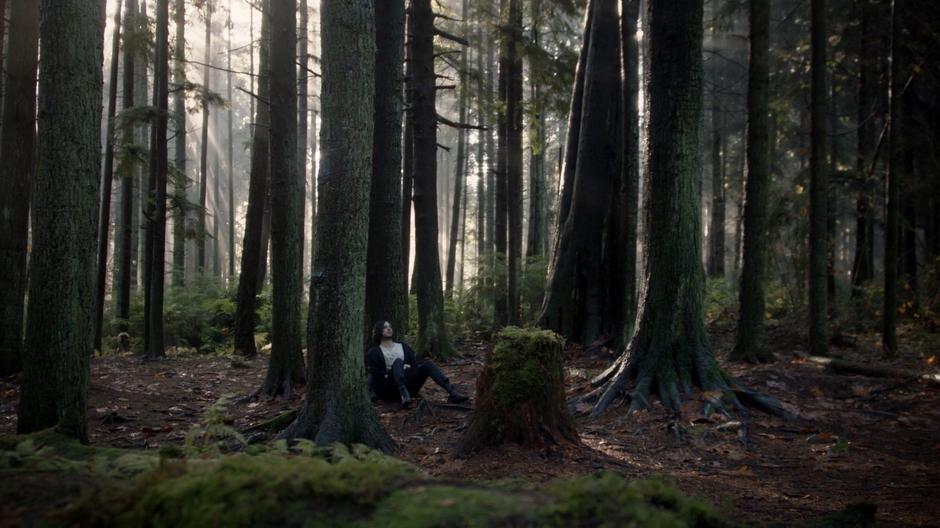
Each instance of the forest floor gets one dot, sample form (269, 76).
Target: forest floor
(856, 439)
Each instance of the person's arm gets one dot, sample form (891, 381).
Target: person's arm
(411, 358)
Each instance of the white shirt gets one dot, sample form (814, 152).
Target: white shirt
(396, 351)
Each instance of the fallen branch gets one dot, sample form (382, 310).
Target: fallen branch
(840, 366)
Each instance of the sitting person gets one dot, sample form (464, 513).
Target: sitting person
(394, 371)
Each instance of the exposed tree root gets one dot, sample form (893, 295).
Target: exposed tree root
(672, 377)
(327, 424)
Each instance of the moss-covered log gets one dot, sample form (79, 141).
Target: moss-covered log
(57, 482)
(521, 393)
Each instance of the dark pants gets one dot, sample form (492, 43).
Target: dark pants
(412, 378)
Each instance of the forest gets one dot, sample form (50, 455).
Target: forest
(454, 263)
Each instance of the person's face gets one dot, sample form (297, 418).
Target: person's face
(387, 330)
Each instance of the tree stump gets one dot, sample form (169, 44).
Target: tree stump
(521, 393)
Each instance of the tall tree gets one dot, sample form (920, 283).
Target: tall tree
(60, 322)
(337, 408)
(535, 245)
(17, 170)
(576, 302)
(124, 237)
(286, 366)
(501, 218)
(669, 351)
(107, 178)
(898, 77)
(408, 155)
(863, 266)
(208, 8)
(818, 186)
(179, 121)
(303, 58)
(250, 277)
(514, 111)
(463, 101)
(482, 162)
(716, 227)
(620, 259)
(757, 175)
(432, 336)
(385, 292)
(230, 155)
(158, 177)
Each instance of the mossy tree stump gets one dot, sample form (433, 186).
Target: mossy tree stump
(521, 393)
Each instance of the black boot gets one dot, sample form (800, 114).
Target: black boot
(455, 396)
(405, 397)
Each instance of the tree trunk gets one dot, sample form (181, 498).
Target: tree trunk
(230, 160)
(60, 322)
(17, 171)
(501, 299)
(620, 253)
(158, 179)
(482, 162)
(142, 189)
(491, 160)
(303, 103)
(408, 157)
(286, 366)
(757, 174)
(863, 266)
(669, 351)
(716, 228)
(521, 393)
(249, 279)
(576, 299)
(385, 293)
(818, 187)
(432, 336)
(204, 152)
(124, 238)
(535, 244)
(460, 172)
(337, 408)
(107, 178)
(179, 121)
(514, 130)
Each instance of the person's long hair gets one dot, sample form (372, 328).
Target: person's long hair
(377, 330)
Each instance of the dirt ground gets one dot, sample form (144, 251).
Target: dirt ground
(856, 438)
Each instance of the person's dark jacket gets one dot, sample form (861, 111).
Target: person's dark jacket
(375, 366)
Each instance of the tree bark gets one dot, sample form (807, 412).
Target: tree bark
(385, 293)
(432, 336)
(17, 172)
(179, 120)
(818, 187)
(60, 321)
(757, 174)
(669, 351)
(286, 366)
(535, 244)
(158, 178)
(250, 278)
(716, 228)
(337, 408)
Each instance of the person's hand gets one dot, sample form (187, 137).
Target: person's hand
(407, 366)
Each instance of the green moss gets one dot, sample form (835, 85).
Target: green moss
(606, 499)
(59, 482)
(525, 365)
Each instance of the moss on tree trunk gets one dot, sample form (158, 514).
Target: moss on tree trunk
(521, 393)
